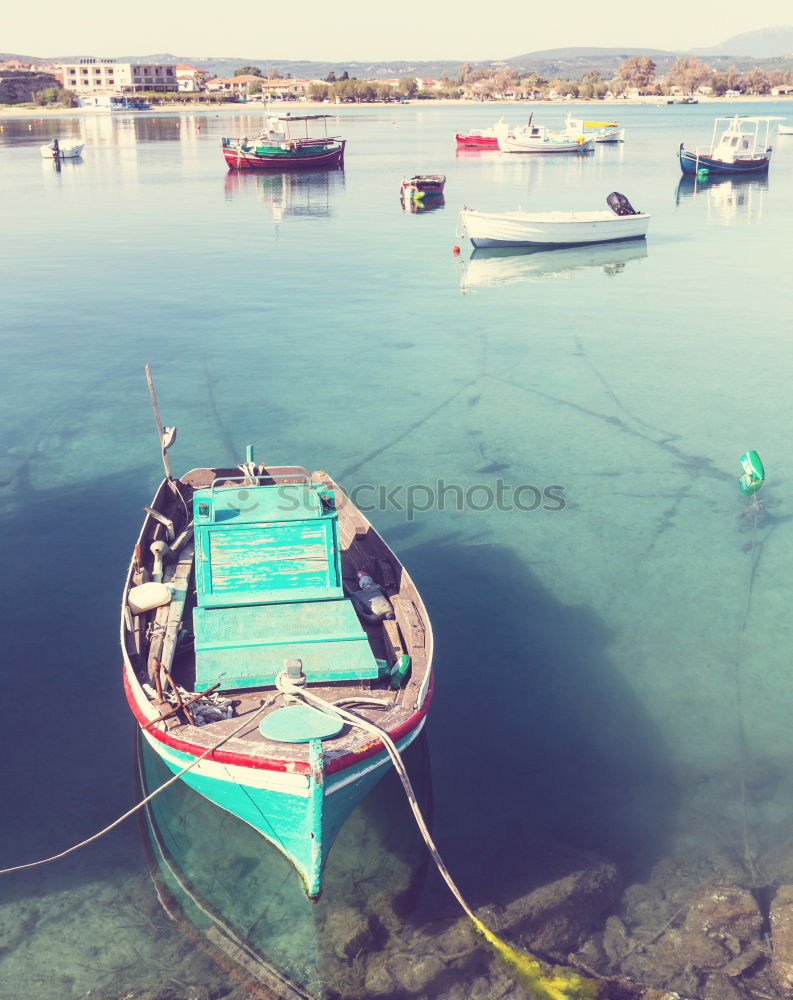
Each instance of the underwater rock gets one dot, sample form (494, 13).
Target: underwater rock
(556, 918)
(592, 952)
(615, 939)
(719, 986)
(781, 917)
(349, 933)
(418, 975)
(677, 949)
(726, 914)
(378, 980)
(642, 904)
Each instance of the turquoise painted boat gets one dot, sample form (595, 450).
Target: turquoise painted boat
(243, 576)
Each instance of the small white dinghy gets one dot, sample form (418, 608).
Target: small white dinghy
(57, 150)
(556, 229)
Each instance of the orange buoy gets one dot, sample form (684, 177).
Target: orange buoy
(455, 250)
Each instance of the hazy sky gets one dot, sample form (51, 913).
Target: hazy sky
(361, 30)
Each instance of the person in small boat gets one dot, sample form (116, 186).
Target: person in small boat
(55, 146)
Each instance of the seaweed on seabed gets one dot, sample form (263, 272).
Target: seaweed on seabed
(559, 983)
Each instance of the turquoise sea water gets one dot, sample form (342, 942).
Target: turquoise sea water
(612, 677)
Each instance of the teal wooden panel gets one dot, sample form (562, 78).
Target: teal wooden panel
(258, 666)
(255, 563)
(248, 644)
(315, 621)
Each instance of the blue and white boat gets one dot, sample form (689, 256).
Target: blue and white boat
(245, 585)
(739, 145)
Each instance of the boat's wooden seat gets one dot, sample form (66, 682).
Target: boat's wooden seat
(246, 646)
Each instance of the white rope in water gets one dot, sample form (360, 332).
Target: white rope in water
(285, 686)
(141, 804)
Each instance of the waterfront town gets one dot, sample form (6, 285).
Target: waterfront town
(97, 83)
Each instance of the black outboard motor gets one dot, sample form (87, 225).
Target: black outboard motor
(620, 205)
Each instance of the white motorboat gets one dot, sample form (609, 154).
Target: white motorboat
(784, 129)
(58, 150)
(556, 229)
(538, 139)
(599, 131)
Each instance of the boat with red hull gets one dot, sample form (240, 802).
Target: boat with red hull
(485, 138)
(280, 147)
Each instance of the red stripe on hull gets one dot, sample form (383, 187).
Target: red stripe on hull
(235, 162)
(332, 764)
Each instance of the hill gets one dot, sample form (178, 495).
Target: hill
(566, 63)
(767, 43)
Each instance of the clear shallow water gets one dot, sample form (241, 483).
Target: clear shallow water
(622, 665)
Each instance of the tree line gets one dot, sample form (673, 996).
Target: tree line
(687, 74)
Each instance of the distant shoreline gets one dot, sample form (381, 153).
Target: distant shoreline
(254, 106)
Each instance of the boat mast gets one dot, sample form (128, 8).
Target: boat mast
(167, 435)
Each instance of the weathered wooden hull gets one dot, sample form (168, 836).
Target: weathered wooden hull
(239, 159)
(296, 795)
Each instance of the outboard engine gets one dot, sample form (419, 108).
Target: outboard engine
(620, 205)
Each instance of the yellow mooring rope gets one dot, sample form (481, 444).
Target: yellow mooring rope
(560, 983)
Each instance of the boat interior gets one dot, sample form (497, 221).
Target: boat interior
(263, 571)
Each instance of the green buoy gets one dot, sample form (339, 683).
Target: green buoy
(753, 475)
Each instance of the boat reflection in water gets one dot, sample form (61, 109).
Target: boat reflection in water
(237, 897)
(461, 153)
(729, 199)
(487, 268)
(422, 205)
(307, 194)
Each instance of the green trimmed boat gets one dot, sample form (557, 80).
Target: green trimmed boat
(240, 577)
(284, 145)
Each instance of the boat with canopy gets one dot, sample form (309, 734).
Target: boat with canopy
(740, 144)
(285, 144)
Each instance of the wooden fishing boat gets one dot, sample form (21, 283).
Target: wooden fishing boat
(485, 138)
(246, 585)
(740, 144)
(422, 187)
(556, 229)
(64, 151)
(283, 146)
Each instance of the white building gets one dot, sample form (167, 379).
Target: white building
(108, 76)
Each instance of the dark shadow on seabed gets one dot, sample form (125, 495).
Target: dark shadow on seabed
(66, 744)
(534, 737)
